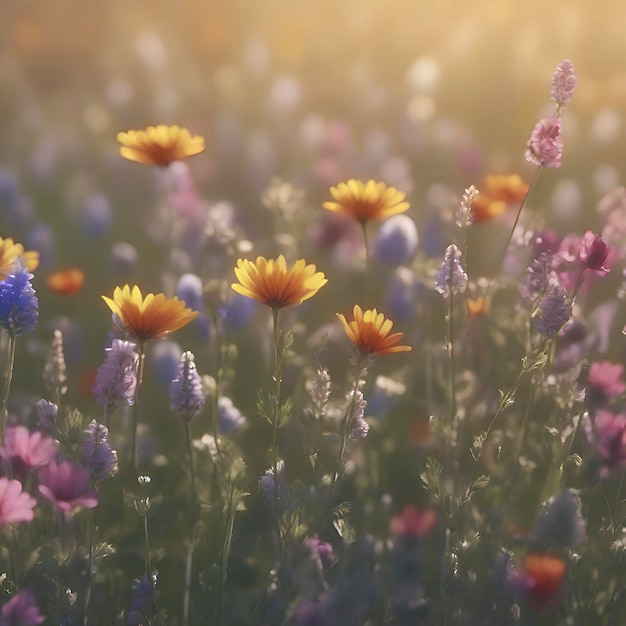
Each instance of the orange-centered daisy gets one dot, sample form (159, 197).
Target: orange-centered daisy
(369, 331)
(366, 201)
(159, 145)
(11, 253)
(272, 283)
(150, 317)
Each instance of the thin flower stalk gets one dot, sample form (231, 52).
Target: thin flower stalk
(141, 357)
(519, 211)
(192, 525)
(7, 378)
(278, 367)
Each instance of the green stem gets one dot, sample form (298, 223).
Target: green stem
(192, 523)
(8, 376)
(148, 560)
(218, 378)
(568, 448)
(451, 359)
(506, 397)
(228, 535)
(345, 431)
(140, 364)
(278, 360)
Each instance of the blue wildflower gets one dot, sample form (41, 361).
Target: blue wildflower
(561, 524)
(142, 605)
(186, 394)
(189, 289)
(229, 417)
(19, 307)
(397, 241)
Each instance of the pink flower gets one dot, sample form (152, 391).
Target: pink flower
(610, 435)
(545, 146)
(67, 486)
(21, 610)
(15, 505)
(27, 451)
(604, 382)
(563, 84)
(413, 522)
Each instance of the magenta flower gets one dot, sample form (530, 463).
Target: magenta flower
(594, 253)
(67, 486)
(21, 610)
(545, 146)
(15, 505)
(27, 451)
(563, 85)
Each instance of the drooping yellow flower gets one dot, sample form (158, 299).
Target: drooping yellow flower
(369, 331)
(150, 317)
(272, 283)
(11, 253)
(159, 145)
(366, 201)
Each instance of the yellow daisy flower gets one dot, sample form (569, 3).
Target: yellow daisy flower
(159, 145)
(11, 253)
(369, 331)
(272, 283)
(150, 317)
(366, 201)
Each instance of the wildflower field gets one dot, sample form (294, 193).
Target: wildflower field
(286, 340)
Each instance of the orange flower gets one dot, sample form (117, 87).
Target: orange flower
(159, 145)
(498, 193)
(370, 332)
(546, 573)
(476, 307)
(149, 317)
(366, 201)
(66, 282)
(271, 283)
(11, 253)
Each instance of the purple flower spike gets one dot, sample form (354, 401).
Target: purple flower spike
(451, 279)
(554, 311)
(116, 379)
(186, 394)
(67, 486)
(99, 455)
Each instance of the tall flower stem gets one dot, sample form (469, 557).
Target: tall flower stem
(363, 224)
(278, 363)
(519, 211)
(141, 350)
(451, 359)
(346, 421)
(8, 376)
(228, 535)
(192, 524)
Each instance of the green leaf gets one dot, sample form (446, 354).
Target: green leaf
(431, 477)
